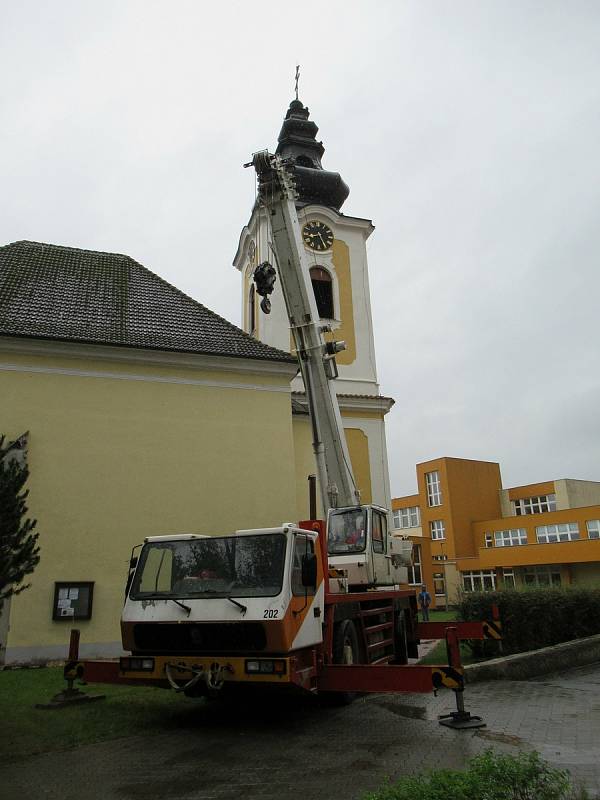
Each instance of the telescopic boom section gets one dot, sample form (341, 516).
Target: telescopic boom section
(316, 357)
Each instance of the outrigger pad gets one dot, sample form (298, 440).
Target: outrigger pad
(461, 720)
(70, 697)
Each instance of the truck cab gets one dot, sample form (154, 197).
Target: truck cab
(253, 591)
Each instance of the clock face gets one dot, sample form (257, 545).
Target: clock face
(317, 235)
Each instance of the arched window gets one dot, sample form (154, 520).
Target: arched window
(323, 289)
(252, 310)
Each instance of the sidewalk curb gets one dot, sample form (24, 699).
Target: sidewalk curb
(520, 666)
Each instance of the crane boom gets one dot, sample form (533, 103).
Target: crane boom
(316, 356)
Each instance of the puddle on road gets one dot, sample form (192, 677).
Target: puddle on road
(505, 738)
(401, 710)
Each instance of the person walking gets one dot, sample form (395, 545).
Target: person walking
(424, 599)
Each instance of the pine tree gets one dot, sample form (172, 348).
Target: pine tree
(19, 552)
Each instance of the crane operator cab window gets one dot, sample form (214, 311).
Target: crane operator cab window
(379, 532)
(347, 530)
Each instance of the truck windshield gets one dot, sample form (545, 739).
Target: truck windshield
(232, 566)
(347, 530)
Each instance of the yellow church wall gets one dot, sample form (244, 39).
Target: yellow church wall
(116, 458)
(341, 263)
(305, 465)
(358, 447)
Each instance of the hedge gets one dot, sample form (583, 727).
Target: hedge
(489, 776)
(534, 618)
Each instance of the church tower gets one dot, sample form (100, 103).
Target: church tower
(336, 249)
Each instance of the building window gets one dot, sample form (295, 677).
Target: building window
(434, 491)
(323, 289)
(439, 584)
(407, 517)
(541, 576)
(414, 572)
(508, 579)
(593, 528)
(484, 581)
(438, 531)
(534, 505)
(562, 532)
(73, 600)
(510, 538)
(252, 310)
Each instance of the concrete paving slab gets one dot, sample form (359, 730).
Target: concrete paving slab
(284, 751)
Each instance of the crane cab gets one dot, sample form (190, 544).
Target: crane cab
(361, 551)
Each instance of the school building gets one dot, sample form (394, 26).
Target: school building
(471, 534)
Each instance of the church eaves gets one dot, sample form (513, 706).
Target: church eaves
(63, 293)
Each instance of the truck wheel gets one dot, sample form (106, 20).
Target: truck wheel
(345, 651)
(400, 638)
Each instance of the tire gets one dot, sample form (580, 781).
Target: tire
(345, 651)
(400, 638)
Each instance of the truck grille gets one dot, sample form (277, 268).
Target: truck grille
(215, 638)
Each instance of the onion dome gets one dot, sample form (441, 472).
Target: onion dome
(297, 142)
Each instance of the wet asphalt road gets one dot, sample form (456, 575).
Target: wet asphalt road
(290, 750)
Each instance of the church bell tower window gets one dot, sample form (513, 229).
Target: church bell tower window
(252, 311)
(323, 289)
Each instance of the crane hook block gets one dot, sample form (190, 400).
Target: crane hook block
(264, 277)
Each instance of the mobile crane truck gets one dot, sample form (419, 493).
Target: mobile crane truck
(321, 606)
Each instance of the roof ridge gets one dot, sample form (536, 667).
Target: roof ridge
(70, 248)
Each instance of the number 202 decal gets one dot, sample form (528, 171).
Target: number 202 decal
(271, 613)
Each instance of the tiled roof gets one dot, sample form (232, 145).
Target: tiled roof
(53, 292)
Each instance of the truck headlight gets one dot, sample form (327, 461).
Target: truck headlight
(266, 666)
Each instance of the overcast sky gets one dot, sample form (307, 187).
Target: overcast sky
(469, 132)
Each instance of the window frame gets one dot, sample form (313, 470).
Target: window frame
(298, 588)
(593, 533)
(323, 303)
(573, 534)
(478, 575)
(378, 540)
(252, 315)
(435, 525)
(405, 518)
(508, 537)
(536, 504)
(434, 488)
(416, 567)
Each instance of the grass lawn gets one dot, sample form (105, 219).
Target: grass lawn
(438, 654)
(127, 710)
(441, 616)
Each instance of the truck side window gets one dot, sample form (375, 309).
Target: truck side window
(378, 533)
(302, 545)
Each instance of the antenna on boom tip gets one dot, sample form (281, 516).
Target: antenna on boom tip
(297, 78)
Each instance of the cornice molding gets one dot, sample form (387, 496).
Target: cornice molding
(131, 355)
(353, 402)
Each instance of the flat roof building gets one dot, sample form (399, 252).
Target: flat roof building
(482, 536)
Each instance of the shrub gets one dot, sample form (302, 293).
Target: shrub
(489, 776)
(533, 618)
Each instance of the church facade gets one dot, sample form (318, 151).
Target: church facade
(140, 412)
